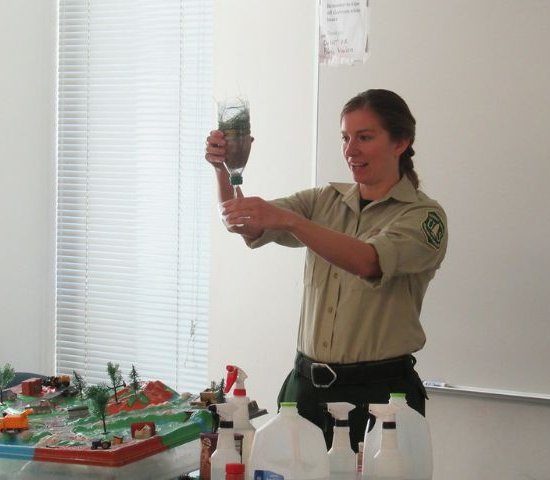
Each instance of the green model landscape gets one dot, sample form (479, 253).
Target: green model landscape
(176, 420)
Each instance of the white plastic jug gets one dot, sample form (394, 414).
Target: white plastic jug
(291, 446)
(412, 440)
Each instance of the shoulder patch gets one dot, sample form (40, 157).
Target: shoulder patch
(434, 229)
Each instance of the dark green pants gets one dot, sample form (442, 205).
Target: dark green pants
(297, 388)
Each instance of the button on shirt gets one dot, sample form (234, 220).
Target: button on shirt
(346, 318)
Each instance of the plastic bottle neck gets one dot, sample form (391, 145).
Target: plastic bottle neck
(226, 439)
(398, 399)
(288, 411)
(340, 439)
(389, 436)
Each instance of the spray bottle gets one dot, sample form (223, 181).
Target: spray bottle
(341, 456)
(225, 449)
(390, 461)
(241, 419)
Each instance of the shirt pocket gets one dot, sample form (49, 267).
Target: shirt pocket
(352, 282)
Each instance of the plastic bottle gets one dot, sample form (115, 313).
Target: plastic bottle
(234, 122)
(341, 456)
(234, 471)
(401, 433)
(225, 449)
(416, 437)
(241, 419)
(389, 461)
(290, 446)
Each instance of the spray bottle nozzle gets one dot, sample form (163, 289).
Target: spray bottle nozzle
(237, 376)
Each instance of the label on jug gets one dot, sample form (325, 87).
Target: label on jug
(267, 475)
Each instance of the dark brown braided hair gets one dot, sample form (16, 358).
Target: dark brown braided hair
(396, 119)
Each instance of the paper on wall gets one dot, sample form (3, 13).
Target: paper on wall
(342, 32)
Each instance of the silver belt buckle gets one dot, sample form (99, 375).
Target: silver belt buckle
(315, 365)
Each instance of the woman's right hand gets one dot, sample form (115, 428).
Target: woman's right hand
(215, 149)
(249, 231)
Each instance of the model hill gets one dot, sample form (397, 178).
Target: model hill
(151, 393)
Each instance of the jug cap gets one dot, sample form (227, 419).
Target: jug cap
(234, 468)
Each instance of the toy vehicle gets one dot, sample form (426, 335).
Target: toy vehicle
(15, 422)
(59, 381)
(101, 443)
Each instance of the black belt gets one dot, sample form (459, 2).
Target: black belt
(324, 375)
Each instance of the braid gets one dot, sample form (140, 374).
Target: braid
(406, 166)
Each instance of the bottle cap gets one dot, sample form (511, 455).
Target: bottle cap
(234, 468)
(236, 179)
(288, 404)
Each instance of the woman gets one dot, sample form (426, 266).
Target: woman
(372, 248)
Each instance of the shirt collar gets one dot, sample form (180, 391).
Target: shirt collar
(402, 191)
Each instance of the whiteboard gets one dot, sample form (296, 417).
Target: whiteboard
(476, 75)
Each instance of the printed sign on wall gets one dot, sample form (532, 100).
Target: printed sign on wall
(343, 32)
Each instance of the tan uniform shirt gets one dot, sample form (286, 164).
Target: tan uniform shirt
(346, 318)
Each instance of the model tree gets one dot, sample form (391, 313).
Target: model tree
(116, 378)
(135, 384)
(99, 397)
(79, 383)
(134, 380)
(218, 389)
(7, 374)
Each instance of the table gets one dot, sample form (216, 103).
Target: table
(166, 465)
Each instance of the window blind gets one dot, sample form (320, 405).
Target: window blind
(134, 105)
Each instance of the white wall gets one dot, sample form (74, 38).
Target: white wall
(27, 183)
(267, 52)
